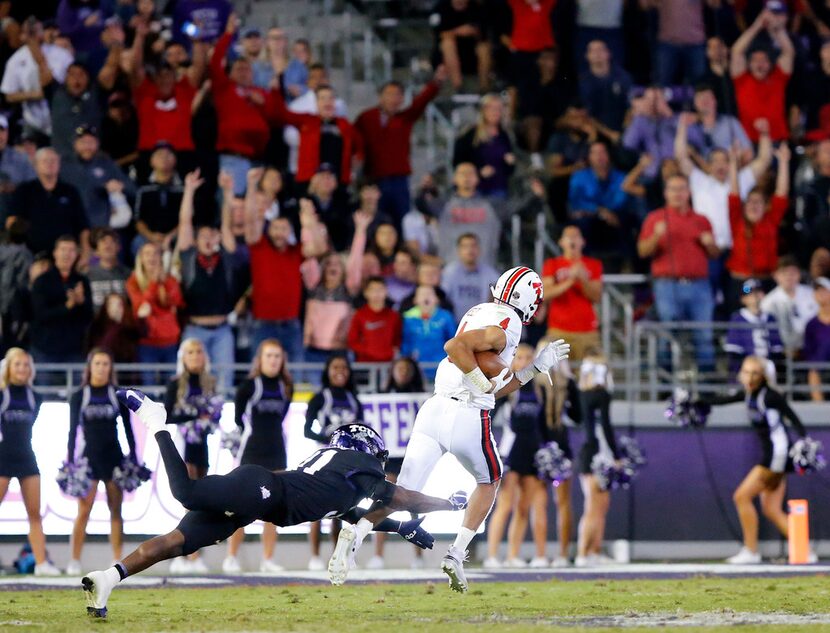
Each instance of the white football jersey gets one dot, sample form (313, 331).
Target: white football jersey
(449, 379)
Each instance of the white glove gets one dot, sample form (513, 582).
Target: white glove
(549, 358)
(501, 380)
(477, 379)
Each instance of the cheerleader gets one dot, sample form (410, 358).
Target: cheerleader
(531, 412)
(260, 405)
(93, 415)
(767, 411)
(193, 382)
(336, 404)
(19, 406)
(595, 386)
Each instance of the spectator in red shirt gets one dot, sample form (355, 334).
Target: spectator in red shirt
(755, 225)
(324, 137)
(375, 331)
(164, 102)
(760, 87)
(156, 297)
(276, 281)
(573, 283)
(386, 131)
(680, 241)
(241, 109)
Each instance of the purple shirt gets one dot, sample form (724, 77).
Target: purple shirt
(211, 16)
(71, 20)
(817, 341)
(655, 136)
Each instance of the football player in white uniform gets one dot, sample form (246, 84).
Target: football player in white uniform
(456, 419)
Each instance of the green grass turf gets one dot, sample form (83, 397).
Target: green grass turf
(425, 608)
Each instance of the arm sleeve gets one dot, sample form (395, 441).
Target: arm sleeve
(240, 401)
(605, 423)
(777, 401)
(313, 409)
(128, 428)
(42, 308)
(719, 399)
(420, 103)
(217, 70)
(74, 422)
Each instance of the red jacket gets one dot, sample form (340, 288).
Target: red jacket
(309, 126)
(387, 146)
(755, 248)
(243, 124)
(162, 325)
(374, 336)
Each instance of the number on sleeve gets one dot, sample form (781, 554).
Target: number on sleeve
(504, 324)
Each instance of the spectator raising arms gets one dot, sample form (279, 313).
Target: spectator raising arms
(760, 87)
(276, 283)
(386, 131)
(208, 276)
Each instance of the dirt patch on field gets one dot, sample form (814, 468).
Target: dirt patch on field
(669, 620)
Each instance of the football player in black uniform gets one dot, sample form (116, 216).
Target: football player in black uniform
(331, 482)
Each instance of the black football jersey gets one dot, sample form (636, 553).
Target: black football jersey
(329, 483)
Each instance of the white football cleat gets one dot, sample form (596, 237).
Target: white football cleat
(342, 560)
(453, 566)
(376, 562)
(231, 565)
(74, 568)
(46, 569)
(98, 586)
(267, 566)
(152, 414)
(539, 562)
(491, 562)
(745, 557)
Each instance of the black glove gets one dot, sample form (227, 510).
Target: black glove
(415, 534)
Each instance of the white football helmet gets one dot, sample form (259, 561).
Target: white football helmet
(521, 289)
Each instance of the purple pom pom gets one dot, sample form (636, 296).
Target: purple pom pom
(130, 474)
(684, 412)
(612, 474)
(75, 478)
(552, 464)
(232, 441)
(807, 455)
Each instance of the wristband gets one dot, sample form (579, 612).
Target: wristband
(527, 374)
(479, 380)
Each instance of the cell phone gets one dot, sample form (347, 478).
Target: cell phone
(191, 30)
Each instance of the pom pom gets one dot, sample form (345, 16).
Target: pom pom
(807, 455)
(232, 440)
(75, 478)
(683, 411)
(207, 410)
(552, 464)
(130, 474)
(612, 474)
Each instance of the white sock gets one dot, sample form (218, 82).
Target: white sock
(112, 575)
(362, 529)
(462, 541)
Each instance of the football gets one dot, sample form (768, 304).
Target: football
(491, 363)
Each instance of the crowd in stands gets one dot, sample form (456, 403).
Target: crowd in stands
(170, 173)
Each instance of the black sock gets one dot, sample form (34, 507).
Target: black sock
(122, 571)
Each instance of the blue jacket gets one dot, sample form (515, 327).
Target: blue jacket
(424, 339)
(586, 192)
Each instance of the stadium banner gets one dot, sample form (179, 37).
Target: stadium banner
(152, 509)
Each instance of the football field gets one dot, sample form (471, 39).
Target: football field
(656, 597)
